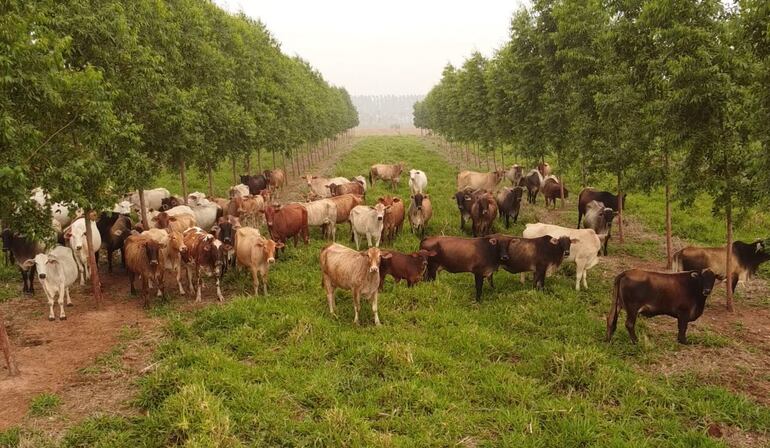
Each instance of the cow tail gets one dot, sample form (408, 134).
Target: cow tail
(617, 302)
(370, 176)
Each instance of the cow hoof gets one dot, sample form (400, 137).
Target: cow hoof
(51, 319)
(63, 318)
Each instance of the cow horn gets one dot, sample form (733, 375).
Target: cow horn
(694, 274)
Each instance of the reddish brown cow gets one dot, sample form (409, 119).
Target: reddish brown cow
(552, 191)
(394, 217)
(286, 222)
(143, 258)
(348, 188)
(483, 214)
(205, 255)
(681, 295)
(409, 267)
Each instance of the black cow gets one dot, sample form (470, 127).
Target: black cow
(681, 295)
(479, 256)
(114, 229)
(21, 250)
(224, 231)
(589, 194)
(256, 183)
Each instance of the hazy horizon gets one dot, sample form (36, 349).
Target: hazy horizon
(395, 49)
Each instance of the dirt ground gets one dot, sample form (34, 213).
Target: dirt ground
(95, 353)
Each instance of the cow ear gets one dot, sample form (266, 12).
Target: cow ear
(279, 245)
(694, 274)
(386, 255)
(426, 195)
(28, 263)
(759, 247)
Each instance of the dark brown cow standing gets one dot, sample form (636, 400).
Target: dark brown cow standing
(745, 261)
(552, 191)
(537, 255)
(465, 199)
(22, 249)
(286, 222)
(534, 182)
(114, 229)
(400, 266)
(143, 258)
(479, 256)
(255, 183)
(483, 214)
(681, 295)
(589, 194)
(509, 204)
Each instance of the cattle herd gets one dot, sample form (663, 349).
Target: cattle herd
(204, 237)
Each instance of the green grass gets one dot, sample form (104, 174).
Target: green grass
(44, 405)
(522, 368)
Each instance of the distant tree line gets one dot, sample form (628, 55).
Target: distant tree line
(385, 111)
(671, 93)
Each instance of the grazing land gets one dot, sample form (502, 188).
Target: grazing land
(521, 368)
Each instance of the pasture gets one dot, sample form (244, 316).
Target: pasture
(521, 368)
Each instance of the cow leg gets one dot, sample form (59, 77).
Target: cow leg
(199, 283)
(491, 281)
(579, 273)
(375, 309)
(430, 272)
(69, 300)
(523, 277)
(81, 270)
(682, 337)
(736, 277)
(24, 286)
(606, 242)
(51, 300)
(585, 278)
(62, 315)
(479, 285)
(219, 291)
(188, 268)
(355, 238)
(580, 218)
(507, 223)
(631, 324)
(333, 229)
(146, 291)
(109, 260)
(356, 305)
(540, 278)
(131, 277)
(179, 279)
(255, 280)
(329, 294)
(264, 282)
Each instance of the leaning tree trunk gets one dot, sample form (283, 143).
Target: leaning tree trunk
(729, 261)
(5, 343)
(620, 211)
(143, 210)
(183, 178)
(95, 284)
(669, 244)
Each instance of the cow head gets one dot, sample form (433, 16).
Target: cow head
(152, 250)
(423, 255)
(269, 212)
(122, 208)
(417, 198)
(162, 220)
(499, 175)
(333, 189)
(195, 198)
(176, 242)
(245, 179)
(563, 243)
(707, 280)
(42, 263)
(483, 202)
(225, 231)
(608, 215)
(269, 246)
(380, 208)
(501, 244)
(374, 255)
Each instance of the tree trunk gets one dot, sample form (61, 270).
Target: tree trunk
(143, 210)
(13, 369)
(620, 211)
(273, 153)
(183, 178)
(259, 160)
(502, 155)
(211, 181)
(669, 245)
(95, 284)
(235, 176)
(729, 261)
(561, 191)
(247, 163)
(283, 164)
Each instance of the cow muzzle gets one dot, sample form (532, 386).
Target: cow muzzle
(566, 253)
(41, 276)
(706, 291)
(78, 247)
(271, 260)
(154, 262)
(379, 218)
(374, 269)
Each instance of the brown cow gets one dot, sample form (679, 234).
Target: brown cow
(386, 172)
(552, 190)
(479, 181)
(680, 295)
(479, 256)
(348, 188)
(483, 214)
(143, 258)
(275, 177)
(358, 272)
(257, 253)
(345, 204)
(409, 267)
(394, 217)
(205, 255)
(420, 213)
(745, 260)
(544, 168)
(509, 203)
(172, 250)
(248, 209)
(589, 194)
(178, 223)
(538, 255)
(286, 222)
(465, 201)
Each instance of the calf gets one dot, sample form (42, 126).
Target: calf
(483, 214)
(409, 267)
(479, 256)
(57, 271)
(680, 295)
(552, 189)
(509, 203)
(22, 249)
(394, 217)
(536, 255)
(75, 235)
(583, 250)
(515, 174)
(257, 253)
(391, 173)
(589, 194)
(143, 259)
(534, 182)
(115, 228)
(357, 272)
(255, 183)
(172, 251)
(369, 221)
(346, 188)
(746, 258)
(599, 219)
(323, 214)
(418, 181)
(286, 222)
(479, 181)
(205, 255)
(420, 213)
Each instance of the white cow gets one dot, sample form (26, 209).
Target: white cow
(59, 210)
(418, 181)
(584, 251)
(206, 214)
(75, 235)
(56, 270)
(369, 221)
(196, 198)
(322, 213)
(152, 198)
(122, 207)
(239, 190)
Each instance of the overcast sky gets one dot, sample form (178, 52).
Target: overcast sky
(384, 47)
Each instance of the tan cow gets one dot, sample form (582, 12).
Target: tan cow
(178, 223)
(275, 178)
(248, 209)
(420, 212)
(345, 204)
(172, 250)
(357, 272)
(386, 172)
(257, 253)
(323, 214)
(318, 185)
(473, 180)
